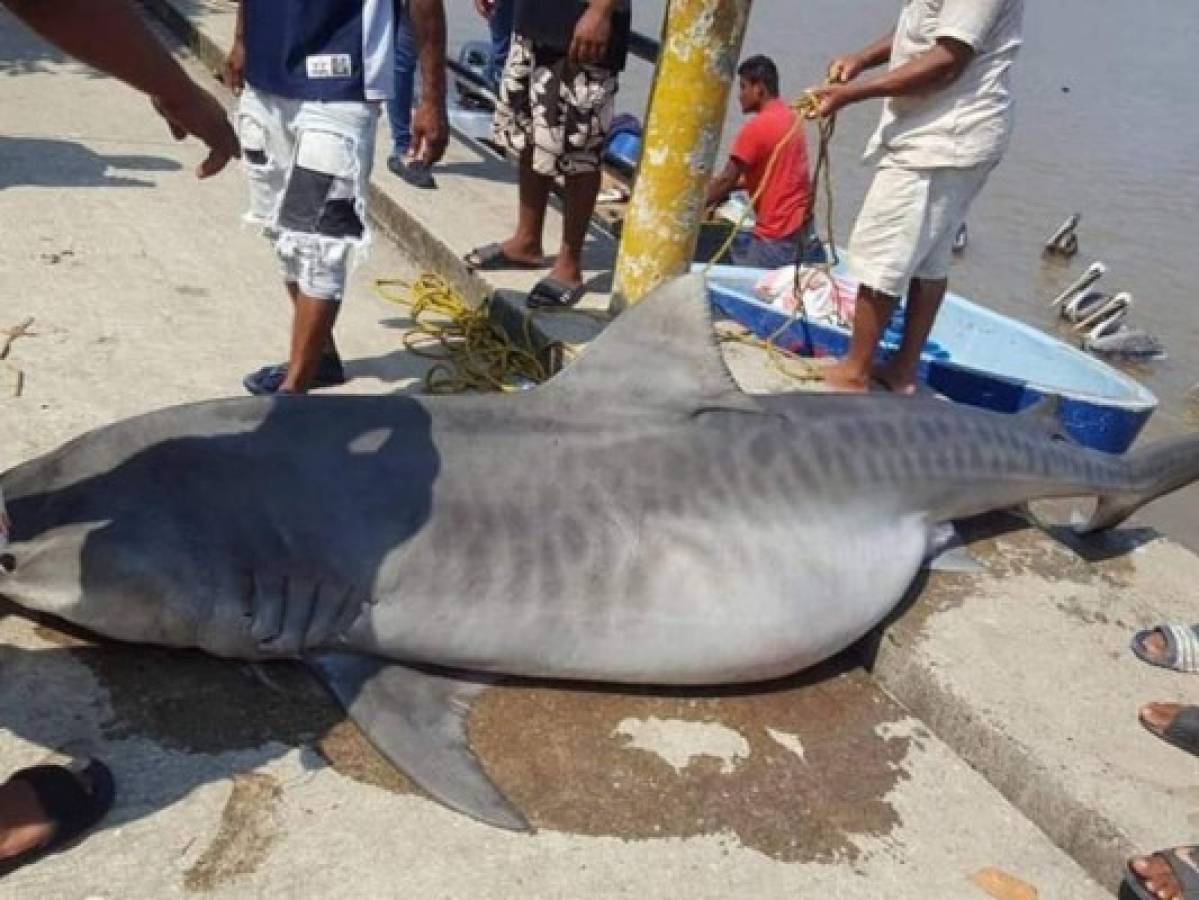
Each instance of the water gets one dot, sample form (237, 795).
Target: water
(1107, 126)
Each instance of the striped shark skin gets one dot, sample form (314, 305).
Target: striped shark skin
(637, 519)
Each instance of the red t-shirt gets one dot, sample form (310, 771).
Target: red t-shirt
(783, 206)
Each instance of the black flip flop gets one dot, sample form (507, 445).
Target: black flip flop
(1182, 732)
(492, 258)
(1184, 871)
(550, 293)
(68, 802)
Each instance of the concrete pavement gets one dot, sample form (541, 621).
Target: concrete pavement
(246, 781)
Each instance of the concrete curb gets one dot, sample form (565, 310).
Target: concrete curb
(1082, 831)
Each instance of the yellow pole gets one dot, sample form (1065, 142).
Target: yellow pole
(701, 43)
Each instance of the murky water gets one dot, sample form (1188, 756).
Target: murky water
(1107, 126)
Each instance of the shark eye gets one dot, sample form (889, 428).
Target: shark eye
(8, 563)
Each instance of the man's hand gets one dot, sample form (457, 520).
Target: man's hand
(829, 99)
(198, 113)
(430, 131)
(235, 68)
(485, 8)
(844, 69)
(589, 44)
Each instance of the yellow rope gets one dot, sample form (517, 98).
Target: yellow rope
(470, 352)
(805, 108)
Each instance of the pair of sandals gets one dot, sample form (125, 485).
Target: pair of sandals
(74, 797)
(1181, 655)
(548, 293)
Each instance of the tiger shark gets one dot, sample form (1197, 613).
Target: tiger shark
(636, 519)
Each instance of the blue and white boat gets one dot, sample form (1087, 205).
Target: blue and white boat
(974, 356)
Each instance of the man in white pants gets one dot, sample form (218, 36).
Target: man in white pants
(945, 125)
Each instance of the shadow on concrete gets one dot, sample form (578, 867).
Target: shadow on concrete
(24, 53)
(48, 162)
(390, 368)
(484, 169)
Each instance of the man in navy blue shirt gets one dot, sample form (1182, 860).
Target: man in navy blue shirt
(312, 75)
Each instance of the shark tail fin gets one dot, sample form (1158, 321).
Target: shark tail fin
(1156, 470)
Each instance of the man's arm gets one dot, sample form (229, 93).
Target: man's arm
(847, 68)
(112, 37)
(593, 31)
(430, 126)
(235, 63)
(936, 68)
(724, 183)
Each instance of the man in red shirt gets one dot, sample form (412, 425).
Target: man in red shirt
(783, 233)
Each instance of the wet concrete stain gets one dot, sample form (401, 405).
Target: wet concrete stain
(1010, 546)
(348, 751)
(819, 767)
(560, 756)
(248, 829)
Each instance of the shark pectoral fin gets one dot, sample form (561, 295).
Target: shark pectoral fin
(948, 553)
(417, 719)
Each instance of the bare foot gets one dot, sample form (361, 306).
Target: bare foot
(1154, 645)
(1158, 716)
(570, 275)
(24, 825)
(1157, 876)
(897, 382)
(519, 252)
(846, 379)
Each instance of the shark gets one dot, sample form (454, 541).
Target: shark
(637, 519)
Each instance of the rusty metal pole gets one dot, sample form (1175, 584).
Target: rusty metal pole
(701, 43)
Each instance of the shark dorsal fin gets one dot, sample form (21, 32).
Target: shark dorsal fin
(661, 355)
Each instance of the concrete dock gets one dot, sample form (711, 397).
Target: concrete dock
(982, 744)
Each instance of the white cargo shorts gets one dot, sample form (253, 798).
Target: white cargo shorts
(908, 222)
(308, 164)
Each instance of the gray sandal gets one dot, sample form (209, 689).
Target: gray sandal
(1181, 863)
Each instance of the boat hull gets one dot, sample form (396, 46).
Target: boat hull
(977, 357)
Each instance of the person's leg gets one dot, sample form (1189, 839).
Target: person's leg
(311, 333)
(399, 107)
(513, 128)
(950, 193)
(533, 197)
(579, 121)
(500, 25)
(883, 251)
(898, 374)
(872, 312)
(579, 192)
(322, 222)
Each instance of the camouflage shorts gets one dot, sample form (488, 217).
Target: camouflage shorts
(560, 111)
